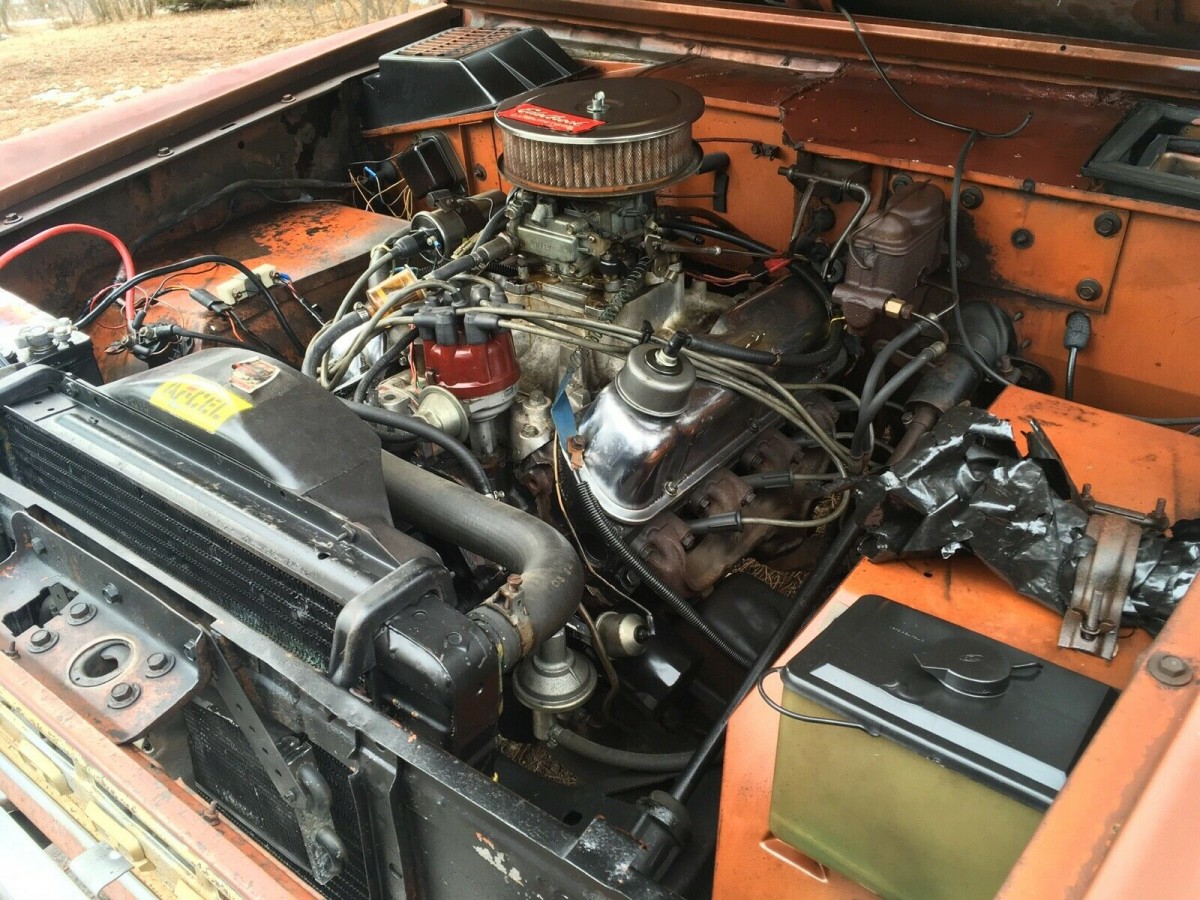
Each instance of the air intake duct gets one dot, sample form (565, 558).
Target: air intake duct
(603, 138)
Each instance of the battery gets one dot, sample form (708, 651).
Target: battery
(30, 335)
(929, 753)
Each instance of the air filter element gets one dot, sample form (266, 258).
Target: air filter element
(601, 138)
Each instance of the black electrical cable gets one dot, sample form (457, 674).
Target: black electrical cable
(249, 184)
(490, 227)
(650, 578)
(175, 331)
(815, 588)
(973, 134)
(776, 358)
(426, 432)
(748, 243)
(170, 269)
(799, 717)
(1072, 359)
(860, 444)
(954, 126)
(251, 336)
(955, 297)
(875, 373)
(374, 374)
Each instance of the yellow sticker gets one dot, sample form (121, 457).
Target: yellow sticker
(198, 401)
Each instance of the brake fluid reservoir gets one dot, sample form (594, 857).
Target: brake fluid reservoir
(958, 745)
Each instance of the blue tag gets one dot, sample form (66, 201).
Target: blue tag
(560, 410)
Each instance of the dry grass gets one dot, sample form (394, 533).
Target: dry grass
(51, 74)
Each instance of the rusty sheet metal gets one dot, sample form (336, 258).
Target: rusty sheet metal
(751, 860)
(323, 247)
(216, 853)
(798, 31)
(1044, 247)
(745, 85)
(854, 116)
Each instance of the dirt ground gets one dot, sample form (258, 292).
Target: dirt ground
(47, 74)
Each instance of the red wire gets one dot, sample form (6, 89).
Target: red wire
(122, 251)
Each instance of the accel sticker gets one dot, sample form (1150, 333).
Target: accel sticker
(198, 401)
(551, 119)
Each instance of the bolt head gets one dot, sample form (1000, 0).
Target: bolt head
(123, 694)
(1022, 238)
(80, 612)
(111, 593)
(1107, 224)
(1089, 289)
(971, 198)
(41, 638)
(1171, 670)
(158, 664)
(12, 218)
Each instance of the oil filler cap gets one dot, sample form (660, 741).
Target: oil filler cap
(971, 667)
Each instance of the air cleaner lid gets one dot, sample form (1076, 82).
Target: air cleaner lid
(972, 704)
(627, 109)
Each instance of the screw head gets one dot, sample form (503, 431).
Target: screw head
(42, 639)
(901, 181)
(1088, 290)
(287, 98)
(1107, 224)
(12, 218)
(80, 612)
(123, 694)
(164, 152)
(1022, 238)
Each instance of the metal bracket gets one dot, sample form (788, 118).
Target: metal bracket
(292, 769)
(98, 867)
(1101, 586)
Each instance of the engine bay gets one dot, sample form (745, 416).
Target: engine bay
(476, 441)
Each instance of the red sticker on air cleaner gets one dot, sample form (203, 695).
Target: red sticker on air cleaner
(549, 118)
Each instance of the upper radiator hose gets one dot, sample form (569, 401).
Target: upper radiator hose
(551, 573)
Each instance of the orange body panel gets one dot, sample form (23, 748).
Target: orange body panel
(1138, 731)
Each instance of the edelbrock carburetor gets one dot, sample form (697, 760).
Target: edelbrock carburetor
(587, 158)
